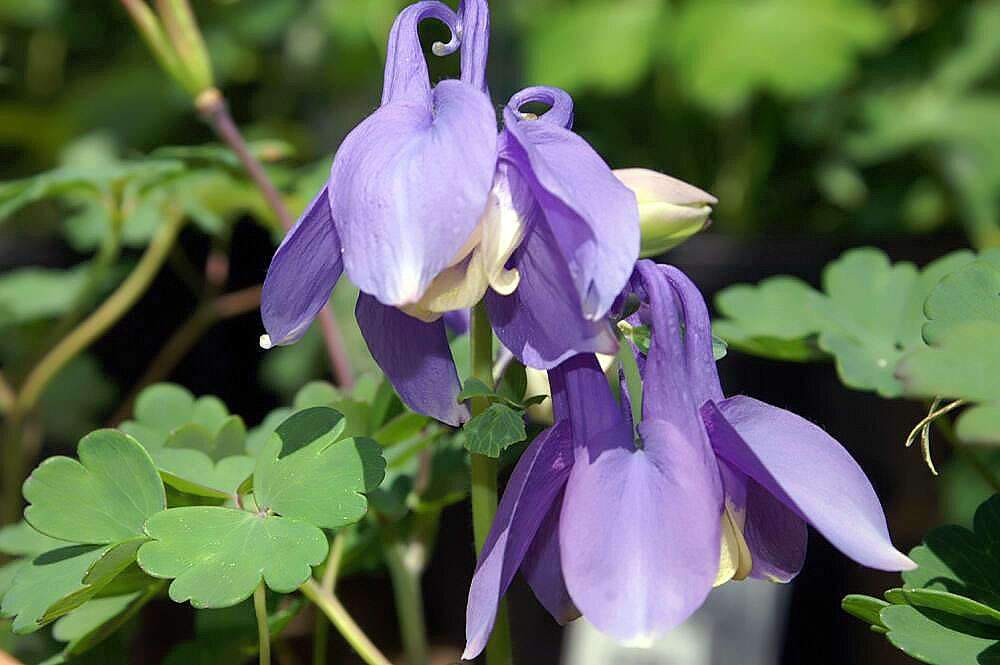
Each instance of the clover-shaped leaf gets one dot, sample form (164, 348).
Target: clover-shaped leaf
(20, 540)
(307, 471)
(164, 407)
(56, 582)
(217, 556)
(196, 445)
(494, 430)
(106, 497)
(948, 610)
(962, 358)
(868, 318)
(307, 476)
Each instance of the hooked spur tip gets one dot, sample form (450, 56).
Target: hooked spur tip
(265, 342)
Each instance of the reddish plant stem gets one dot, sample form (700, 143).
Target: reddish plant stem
(213, 107)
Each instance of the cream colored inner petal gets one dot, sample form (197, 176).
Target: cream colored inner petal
(734, 559)
(480, 264)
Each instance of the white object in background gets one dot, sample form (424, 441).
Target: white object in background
(740, 623)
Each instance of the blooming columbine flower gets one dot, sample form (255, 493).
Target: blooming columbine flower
(428, 209)
(633, 531)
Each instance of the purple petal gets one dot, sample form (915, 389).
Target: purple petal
(580, 393)
(408, 187)
(302, 273)
(542, 322)
(594, 218)
(406, 74)
(775, 535)
(542, 567)
(457, 321)
(475, 18)
(415, 357)
(536, 481)
(673, 383)
(682, 365)
(640, 532)
(808, 471)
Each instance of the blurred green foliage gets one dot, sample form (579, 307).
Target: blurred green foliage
(822, 115)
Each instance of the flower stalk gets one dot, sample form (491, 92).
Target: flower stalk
(484, 477)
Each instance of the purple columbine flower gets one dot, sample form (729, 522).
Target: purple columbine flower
(428, 210)
(632, 531)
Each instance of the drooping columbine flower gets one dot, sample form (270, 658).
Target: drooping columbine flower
(427, 209)
(633, 531)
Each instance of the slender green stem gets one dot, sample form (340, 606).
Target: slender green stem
(263, 629)
(484, 478)
(342, 621)
(405, 572)
(81, 337)
(321, 629)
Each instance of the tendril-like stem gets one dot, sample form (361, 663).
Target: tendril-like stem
(922, 429)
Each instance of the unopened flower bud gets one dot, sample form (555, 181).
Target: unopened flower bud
(670, 210)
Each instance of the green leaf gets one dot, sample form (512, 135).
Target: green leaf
(321, 478)
(217, 556)
(865, 608)
(514, 382)
(493, 430)
(600, 44)
(88, 624)
(947, 641)
(402, 428)
(21, 539)
(106, 497)
(473, 388)
(196, 445)
(715, 46)
(34, 294)
(980, 424)
(969, 294)
(964, 313)
(719, 348)
(60, 580)
(869, 317)
(960, 561)
(961, 364)
(953, 604)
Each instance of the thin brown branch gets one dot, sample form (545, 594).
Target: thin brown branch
(214, 109)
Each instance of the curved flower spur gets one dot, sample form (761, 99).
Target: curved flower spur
(429, 209)
(632, 527)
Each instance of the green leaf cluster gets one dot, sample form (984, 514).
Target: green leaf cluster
(102, 531)
(962, 356)
(869, 315)
(948, 610)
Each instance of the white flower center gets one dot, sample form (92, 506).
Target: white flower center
(480, 264)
